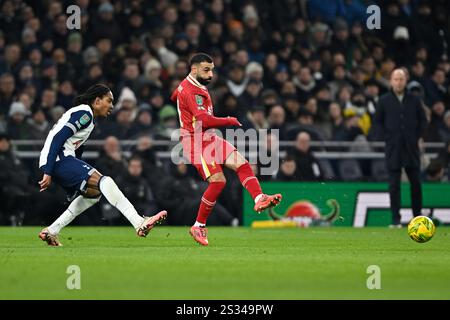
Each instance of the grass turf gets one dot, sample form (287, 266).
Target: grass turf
(240, 263)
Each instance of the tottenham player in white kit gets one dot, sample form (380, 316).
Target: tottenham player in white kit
(59, 161)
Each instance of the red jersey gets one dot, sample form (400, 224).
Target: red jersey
(192, 99)
(207, 152)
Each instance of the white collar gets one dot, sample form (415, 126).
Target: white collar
(194, 81)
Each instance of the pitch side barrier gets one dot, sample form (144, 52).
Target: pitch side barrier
(29, 149)
(357, 204)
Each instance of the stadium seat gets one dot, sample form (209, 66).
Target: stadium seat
(350, 170)
(328, 171)
(378, 170)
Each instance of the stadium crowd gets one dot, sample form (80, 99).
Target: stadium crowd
(309, 68)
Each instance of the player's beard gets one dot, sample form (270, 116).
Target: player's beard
(204, 81)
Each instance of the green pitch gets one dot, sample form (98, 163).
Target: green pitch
(240, 263)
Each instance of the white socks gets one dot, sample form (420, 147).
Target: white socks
(77, 206)
(258, 197)
(115, 197)
(198, 224)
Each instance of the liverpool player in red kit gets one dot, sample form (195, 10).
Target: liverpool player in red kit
(207, 151)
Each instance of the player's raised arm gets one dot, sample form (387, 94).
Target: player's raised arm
(208, 121)
(202, 117)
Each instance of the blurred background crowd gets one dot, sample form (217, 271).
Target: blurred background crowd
(309, 68)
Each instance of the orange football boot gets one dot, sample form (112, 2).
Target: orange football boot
(200, 234)
(267, 201)
(150, 222)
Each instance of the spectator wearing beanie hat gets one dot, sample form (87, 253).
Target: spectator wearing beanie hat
(168, 122)
(17, 126)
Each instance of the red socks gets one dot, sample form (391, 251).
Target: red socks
(209, 200)
(248, 180)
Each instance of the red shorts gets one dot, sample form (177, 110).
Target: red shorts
(207, 155)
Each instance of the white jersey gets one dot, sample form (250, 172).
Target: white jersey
(66, 136)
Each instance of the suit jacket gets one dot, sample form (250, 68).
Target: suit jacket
(403, 124)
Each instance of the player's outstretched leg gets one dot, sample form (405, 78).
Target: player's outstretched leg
(199, 231)
(237, 162)
(116, 198)
(76, 207)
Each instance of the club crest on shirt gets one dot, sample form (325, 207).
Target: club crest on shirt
(199, 100)
(84, 119)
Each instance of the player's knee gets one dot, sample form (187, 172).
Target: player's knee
(95, 178)
(218, 177)
(92, 193)
(235, 161)
(93, 199)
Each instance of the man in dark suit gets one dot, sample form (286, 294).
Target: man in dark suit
(402, 119)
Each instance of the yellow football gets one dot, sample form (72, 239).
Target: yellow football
(421, 229)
